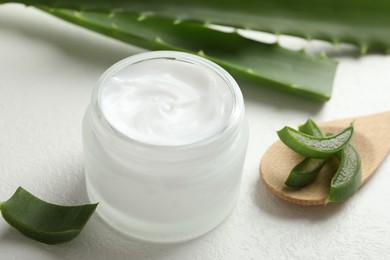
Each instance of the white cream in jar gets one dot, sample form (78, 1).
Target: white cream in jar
(174, 103)
(164, 140)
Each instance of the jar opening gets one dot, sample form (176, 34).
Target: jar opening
(167, 99)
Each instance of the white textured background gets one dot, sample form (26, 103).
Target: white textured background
(47, 71)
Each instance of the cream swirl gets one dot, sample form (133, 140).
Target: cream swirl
(166, 102)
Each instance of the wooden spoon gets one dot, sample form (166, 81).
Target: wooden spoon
(371, 139)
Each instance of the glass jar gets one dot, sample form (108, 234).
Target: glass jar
(164, 193)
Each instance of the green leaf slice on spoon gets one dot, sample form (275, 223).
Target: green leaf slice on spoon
(307, 170)
(370, 139)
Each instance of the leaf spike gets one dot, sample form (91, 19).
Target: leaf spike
(302, 50)
(114, 25)
(363, 49)
(141, 17)
(235, 31)
(201, 53)
(159, 40)
(78, 14)
(277, 43)
(323, 55)
(335, 40)
(336, 45)
(309, 37)
(177, 21)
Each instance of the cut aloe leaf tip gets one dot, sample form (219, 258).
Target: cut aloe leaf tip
(42, 221)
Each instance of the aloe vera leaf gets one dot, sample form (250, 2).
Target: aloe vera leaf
(365, 23)
(315, 146)
(348, 177)
(304, 172)
(42, 221)
(311, 128)
(265, 64)
(307, 170)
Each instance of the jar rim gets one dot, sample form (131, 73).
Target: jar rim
(235, 117)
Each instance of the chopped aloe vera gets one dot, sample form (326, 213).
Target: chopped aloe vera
(313, 146)
(307, 170)
(304, 172)
(312, 143)
(310, 128)
(348, 177)
(42, 221)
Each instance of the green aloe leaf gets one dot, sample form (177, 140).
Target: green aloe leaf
(261, 63)
(365, 23)
(42, 221)
(307, 170)
(348, 177)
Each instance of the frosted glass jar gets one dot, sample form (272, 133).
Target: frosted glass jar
(165, 189)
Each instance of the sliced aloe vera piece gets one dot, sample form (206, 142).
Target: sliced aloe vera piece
(304, 172)
(307, 170)
(348, 177)
(313, 146)
(365, 23)
(42, 221)
(265, 64)
(310, 128)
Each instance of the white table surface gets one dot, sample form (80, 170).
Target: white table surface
(47, 70)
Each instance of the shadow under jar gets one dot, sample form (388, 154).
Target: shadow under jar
(165, 138)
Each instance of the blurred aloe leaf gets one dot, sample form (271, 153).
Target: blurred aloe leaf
(365, 23)
(265, 64)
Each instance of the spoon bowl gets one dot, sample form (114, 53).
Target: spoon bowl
(371, 139)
